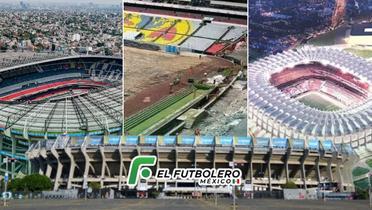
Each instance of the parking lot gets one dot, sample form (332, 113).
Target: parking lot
(159, 204)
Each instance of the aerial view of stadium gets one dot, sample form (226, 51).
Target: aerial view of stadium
(78, 95)
(186, 104)
(308, 96)
(162, 100)
(314, 82)
(182, 66)
(51, 86)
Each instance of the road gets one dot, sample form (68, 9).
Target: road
(159, 204)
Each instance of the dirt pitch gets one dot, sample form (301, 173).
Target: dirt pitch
(144, 68)
(148, 75)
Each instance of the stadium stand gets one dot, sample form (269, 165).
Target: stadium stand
(192, 34)
(138, 118)
(258, 158)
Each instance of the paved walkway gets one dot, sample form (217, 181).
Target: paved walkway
(152, 204)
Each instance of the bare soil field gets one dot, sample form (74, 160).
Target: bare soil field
(143, 68)
(149, 73)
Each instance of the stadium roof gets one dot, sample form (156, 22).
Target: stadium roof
(296, 116)
(28, 61)
(95, 112)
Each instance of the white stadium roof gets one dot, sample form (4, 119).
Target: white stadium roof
(298, 117)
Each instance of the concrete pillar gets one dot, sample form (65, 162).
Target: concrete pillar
(72, 167)
(303, 171)
(157, 164)
(103, 168)
(49, 168)
(269, 169)
(269, 175)
(340, 177)
(87, 163)
(317, 168)
(59, 169)
(329, 169)
(303, 174)
(29, 168)
(251, 161)
(176, 162)
(1, 148)
(42, 170)
(121, 168)
(286, 167)
(214, 157)
(248, 165)
(195, 163)
(14, 143)
(251, 169)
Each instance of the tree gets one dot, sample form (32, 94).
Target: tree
(16, 185)
(361, 194)
(94, 185)
(289, 185)
(37, 183)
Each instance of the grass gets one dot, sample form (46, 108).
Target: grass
(140, 128)
(361, 53)
(358, 171)
(328, 38)
(319, 103)
(152, 110)
(332, 37)
(369, 163)
(202, 86)
(227, 72)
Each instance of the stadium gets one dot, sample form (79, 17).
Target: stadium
(266, 163)
(311, 93)
(360, 35)
(176, 64)
(194, 34)
(45, 95)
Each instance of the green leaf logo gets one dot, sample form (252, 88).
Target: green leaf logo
(136, 169)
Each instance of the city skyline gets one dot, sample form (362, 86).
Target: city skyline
(105, 2)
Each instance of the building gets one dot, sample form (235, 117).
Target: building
(267, 163)
(76, 37)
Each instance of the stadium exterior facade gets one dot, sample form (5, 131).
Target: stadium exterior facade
(275, 113)
(42, 97)
(267, 163)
